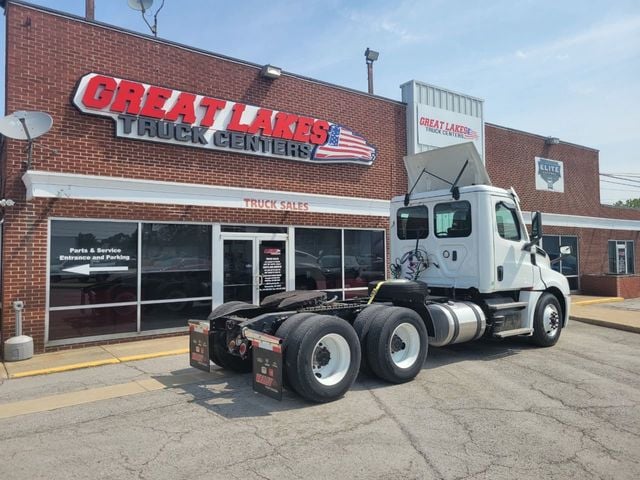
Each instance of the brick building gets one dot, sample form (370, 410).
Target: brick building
(182, 179)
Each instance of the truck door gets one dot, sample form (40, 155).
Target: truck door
(513, 268)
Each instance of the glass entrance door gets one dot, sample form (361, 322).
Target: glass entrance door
(255, 267)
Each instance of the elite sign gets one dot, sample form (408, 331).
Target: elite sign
(158, 114)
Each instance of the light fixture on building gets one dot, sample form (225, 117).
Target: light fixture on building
(552, 140)
(269, 71)
(371, 56)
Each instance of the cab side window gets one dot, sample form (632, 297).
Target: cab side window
(507, 222)
(452, 219)
(412, 223)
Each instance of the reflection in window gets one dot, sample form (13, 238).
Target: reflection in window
(363, 257)
(318, 258)
(567, 265)
(85, 322)
(176, 261)
(452, 219)
(507, 222)
(173, 315)
(93, 263)
(412, 222)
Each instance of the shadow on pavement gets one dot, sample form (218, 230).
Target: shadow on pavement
(231, 394)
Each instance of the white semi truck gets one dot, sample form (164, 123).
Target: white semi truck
(463, 266)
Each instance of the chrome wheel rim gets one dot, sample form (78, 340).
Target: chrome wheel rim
(551, 320)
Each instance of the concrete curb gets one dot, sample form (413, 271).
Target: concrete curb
(597, 301)
(607, 324)
(97, 363)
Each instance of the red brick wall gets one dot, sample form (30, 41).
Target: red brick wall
(46, 56)
(625, 286)
(510, 162)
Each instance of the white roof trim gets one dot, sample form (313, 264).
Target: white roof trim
(577, 221)
(42, 184)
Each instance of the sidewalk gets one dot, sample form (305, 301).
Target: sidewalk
(610, 312)
(65, 360)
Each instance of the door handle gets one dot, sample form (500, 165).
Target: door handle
(259, 280)
(500, 273)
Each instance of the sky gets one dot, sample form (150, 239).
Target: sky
(563, 68)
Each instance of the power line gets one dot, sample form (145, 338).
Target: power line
(618, 183)
(632, 180)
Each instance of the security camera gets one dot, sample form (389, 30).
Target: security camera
(18, 305)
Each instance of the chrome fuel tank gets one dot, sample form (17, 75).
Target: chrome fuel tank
(456, 322)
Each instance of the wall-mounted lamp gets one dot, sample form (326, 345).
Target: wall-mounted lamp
(371, 56)
(552, 141)
(269, 71)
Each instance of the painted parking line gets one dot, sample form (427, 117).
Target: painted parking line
(97, 363)
(80, 397)
(595, 301)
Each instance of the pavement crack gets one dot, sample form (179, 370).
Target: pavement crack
(413, 441)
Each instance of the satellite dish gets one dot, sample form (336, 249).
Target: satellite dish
(25, 125)
(140, 5)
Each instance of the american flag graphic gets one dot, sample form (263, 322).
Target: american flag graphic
(470, 134)
(344, 145)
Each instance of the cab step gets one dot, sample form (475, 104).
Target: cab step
(513, 333)
(496, 306)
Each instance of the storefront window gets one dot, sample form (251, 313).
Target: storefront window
(176, 261)
(363, 257)
(93, 263)
(567, 265)
(157, 316)
(318, 258)
(621, 257)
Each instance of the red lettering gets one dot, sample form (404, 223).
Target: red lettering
(319, 132)
(156, 98)
(282, 128)
(303, 128)
(262, 122)
(212, 106)
(183, 107)
(234, 123)
(99, 92)
(128, 97)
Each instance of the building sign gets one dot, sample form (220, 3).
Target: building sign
(549, 175)
(440, 128)
(158, 114)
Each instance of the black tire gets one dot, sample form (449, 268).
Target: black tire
(221, 356)
(305, 342)
(383, 337)
(290, 324)
(362, 325)
(547, 321)
(400, 290)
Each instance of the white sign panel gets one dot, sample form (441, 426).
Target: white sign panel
(441, 128)
(549, 175)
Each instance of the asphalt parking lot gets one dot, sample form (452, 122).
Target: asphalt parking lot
(486, 410)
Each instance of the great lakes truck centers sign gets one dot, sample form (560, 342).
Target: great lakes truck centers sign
(158, 114)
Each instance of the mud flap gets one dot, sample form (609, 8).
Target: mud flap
(199, 345)
(267, 363)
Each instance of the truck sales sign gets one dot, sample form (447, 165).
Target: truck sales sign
(158, 114)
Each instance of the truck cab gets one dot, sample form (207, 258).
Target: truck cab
(467, 240)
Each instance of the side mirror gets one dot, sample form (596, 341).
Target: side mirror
(566, 250)
(407, 198)
(536, 227)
